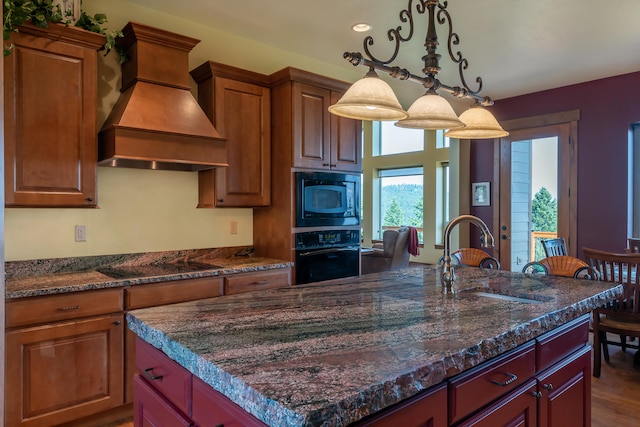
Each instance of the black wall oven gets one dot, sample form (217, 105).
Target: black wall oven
(326, 255)
(327, 199)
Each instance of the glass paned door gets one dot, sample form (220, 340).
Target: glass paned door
(536, 173)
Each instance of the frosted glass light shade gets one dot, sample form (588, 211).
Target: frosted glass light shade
(480, 124)
(370, 98)
(431, 111)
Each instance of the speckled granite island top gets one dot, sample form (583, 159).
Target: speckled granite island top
(328, 355)
(64, 275)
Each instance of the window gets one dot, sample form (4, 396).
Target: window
(412, 167)
(401, 198)
(391, 139)
(441, 140)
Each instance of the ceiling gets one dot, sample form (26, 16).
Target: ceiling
(516, 46)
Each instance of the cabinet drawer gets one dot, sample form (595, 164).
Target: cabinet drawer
(474, 389)
(211, 408)
(429, 408)
(516, 409)
(151, 409)
(47, 309)
(165, 375)
(141, 296)
(246, 282)
(561, 342)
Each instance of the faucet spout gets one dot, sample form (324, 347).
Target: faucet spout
(448, 275)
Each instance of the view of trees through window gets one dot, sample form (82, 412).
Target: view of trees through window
(401, 198)
(544, 217)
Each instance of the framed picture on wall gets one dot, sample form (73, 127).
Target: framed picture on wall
(70, 10)
(481, 192)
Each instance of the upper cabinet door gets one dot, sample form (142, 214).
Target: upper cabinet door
(241, 112)
(346, 141)
(311, 127)
(243, 115)
(50, 117)
(323, 140)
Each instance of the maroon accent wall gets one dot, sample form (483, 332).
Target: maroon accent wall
(608, 107)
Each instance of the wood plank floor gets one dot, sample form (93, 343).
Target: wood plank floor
(615, 396)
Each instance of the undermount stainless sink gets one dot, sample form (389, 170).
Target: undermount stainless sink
(506, 297)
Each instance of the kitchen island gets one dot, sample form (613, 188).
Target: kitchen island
(333, 354)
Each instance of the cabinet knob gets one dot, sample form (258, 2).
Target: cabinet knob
(547, 387)
(326, 164)
(220, 200)
(117, 322)
(537, 394)
(89, 199)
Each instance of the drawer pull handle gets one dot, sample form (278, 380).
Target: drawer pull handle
(149, 374)
(548, 387)
(75, 307)
(537, 394)
(260, 282)
(512, 378)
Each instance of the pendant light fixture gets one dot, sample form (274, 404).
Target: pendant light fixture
(372, 99)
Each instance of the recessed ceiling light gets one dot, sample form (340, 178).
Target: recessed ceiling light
(362, 27)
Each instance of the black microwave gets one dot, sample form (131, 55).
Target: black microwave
(324, 198)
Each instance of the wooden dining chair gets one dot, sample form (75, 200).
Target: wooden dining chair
(554, 247)
(475, 258)
(621, 316)
(566, 266)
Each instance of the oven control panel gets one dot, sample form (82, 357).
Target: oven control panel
(323, 239)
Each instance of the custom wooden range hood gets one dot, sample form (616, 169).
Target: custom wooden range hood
(157, 123)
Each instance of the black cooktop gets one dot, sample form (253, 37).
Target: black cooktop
(129, 272)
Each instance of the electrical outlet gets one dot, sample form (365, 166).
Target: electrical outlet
(233, 227)
(81, 233)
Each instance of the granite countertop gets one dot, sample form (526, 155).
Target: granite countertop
(328, 355)
(64, 275)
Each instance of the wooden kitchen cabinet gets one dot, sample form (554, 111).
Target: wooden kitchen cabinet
(256, 281)
(428, 409)
(64, 357)
(320, 139)
(238, 102)
(168, 395)
(50, 116)
(488, 382)
(63, 371)
(151, 409)
(518, 408)
(304, 126)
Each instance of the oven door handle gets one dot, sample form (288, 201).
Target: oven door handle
(327, 251)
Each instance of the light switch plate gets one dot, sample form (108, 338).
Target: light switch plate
(81, 233)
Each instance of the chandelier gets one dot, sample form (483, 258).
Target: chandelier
(371, 98)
